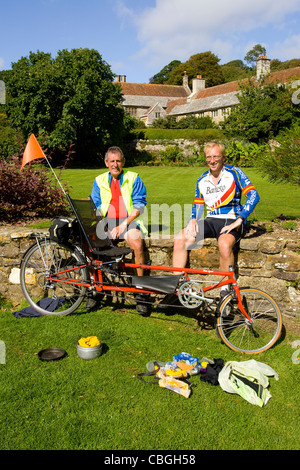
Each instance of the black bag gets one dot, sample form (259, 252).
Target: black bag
(63, 230)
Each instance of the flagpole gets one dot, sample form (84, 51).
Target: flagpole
(55, 176)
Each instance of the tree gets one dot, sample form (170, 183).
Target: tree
(254, 54)
(68, 99)
(164, 75)
(234, 70)
(264, 109)
(282, 162)
(205, 64)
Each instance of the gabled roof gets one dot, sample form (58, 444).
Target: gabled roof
(203, 104)
(224, 95)
(284, 76)
(152, 108)
(149, 89)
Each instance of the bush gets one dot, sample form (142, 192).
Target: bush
(201, 135)
(243, 154)
(189, 122)
(31, 193)
(282, 160)
(171, 154)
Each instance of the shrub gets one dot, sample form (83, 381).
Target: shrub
(31, 193)
(172, 154)
(282, 161)
(243, 154)
(201, 135)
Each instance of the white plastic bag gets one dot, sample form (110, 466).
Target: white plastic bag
(249, 379)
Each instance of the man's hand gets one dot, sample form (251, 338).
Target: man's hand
(227, 229)
(117, 231)
(191, 229)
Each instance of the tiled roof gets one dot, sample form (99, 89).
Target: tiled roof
(175, 98)
(218, 90)
(148, 89)
(284, 76)
(203, 104)
(224, 95)
(281, 75)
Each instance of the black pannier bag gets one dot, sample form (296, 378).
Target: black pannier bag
(64, 230)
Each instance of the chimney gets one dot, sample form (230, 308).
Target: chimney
(263, 67)
(120, 78)
(198, 84)
(185, 83)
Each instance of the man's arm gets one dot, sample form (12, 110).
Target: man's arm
(139, 195)
(95, 194)
(252, 196)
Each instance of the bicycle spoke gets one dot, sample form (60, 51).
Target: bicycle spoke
(42, 262)
(253, 336)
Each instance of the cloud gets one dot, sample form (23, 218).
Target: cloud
(176, 29)
(288, 49)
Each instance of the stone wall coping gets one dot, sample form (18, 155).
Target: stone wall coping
(269, 261)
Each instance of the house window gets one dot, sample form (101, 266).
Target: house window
(157, 115)
(214, 113)
(132, 111)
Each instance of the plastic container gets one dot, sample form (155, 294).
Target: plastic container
(89, 352)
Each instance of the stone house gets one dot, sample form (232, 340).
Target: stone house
(149, 102)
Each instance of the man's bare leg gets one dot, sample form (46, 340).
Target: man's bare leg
(180, 253)
(134, 239)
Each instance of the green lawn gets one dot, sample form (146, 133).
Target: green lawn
(176, 185)
(100, 404)
(74, 404)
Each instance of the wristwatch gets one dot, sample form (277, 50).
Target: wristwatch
(240, 217)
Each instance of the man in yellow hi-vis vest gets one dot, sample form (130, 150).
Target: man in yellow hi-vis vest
(120, 196)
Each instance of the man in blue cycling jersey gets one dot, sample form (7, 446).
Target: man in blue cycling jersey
(220, 189)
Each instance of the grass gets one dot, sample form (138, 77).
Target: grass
(176, 185)
(73, 404)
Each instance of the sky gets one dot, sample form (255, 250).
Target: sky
(137, 38)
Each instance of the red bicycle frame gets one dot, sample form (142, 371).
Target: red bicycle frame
(99, 285)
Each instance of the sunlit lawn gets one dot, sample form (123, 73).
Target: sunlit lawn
(176, 185)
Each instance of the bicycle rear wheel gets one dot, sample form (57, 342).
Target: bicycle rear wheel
(63, 295)
(241, 335)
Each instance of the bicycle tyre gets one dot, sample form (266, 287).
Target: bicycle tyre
(48, 257)
(236, 331)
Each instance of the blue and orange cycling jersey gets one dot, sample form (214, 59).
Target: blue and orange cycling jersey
(224, 199)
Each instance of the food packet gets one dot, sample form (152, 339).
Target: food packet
(89, 342)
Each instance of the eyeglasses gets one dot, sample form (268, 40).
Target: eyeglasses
(216, 157)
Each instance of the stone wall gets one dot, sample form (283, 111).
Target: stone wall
(266, 260)
(188, 147)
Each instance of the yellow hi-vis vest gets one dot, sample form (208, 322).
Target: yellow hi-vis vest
(129, 178)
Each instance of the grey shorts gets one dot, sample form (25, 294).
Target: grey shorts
(108, 224)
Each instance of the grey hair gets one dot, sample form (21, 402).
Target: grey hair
(114, 149)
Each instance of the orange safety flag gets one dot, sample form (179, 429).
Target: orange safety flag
(32, 151)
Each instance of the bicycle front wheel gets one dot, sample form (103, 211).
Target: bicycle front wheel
(238, 333)
(63, 293)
